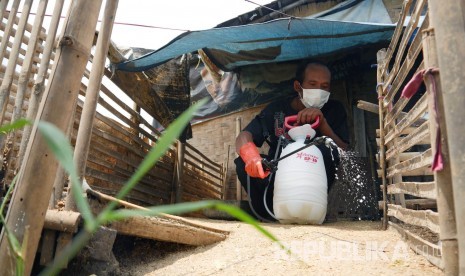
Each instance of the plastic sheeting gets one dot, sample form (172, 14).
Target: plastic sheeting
(274, 41)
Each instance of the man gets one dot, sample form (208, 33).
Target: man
(312, 85)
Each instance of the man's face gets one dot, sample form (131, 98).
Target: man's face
(317, 77)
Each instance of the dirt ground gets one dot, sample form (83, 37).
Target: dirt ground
(338, 248)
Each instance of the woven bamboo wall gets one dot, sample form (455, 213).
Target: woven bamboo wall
(216, 138)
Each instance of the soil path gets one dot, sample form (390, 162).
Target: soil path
(339, 248)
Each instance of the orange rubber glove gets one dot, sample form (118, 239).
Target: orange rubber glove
(253, 161)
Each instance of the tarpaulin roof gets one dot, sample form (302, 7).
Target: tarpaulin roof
(273, 41)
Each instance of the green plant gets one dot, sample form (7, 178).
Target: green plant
(63, 151)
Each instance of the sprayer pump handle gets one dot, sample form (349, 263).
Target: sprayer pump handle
(290, 120)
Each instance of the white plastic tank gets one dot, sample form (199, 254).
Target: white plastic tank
(300, 189)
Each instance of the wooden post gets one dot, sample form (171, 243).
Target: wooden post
(380, 56)
(445, 198)
(86, 123)
(31, 196)
(238, 183)
(38, 88)
(449, 26)
(12, 61)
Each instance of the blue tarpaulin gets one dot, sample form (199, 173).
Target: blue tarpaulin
(274, 41)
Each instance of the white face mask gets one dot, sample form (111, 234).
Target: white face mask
(314, 97)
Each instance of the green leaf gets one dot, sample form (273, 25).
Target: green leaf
(15, 125)
(61, 148)
(174, 209)
(14, 243)
(157, 151)
(8, 193)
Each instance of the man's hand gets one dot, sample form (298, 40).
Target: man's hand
(309, 115)
(253, 161)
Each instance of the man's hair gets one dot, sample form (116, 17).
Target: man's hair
(300, 73)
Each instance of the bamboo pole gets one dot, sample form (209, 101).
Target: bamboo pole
(92, 94)
(8, 27)
(26, 68)
(3, 5)
(30, 201)
(381, 63)
(38, 87)
(448, 23)
(10, 69)
(445, 198)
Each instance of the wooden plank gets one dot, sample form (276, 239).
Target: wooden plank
(423, 218)
(419, 189)
(64, 221)
(404, 155)
(47, 247)
(418, 204)
(430, 251)
(409, 141)
(417, 172)
(417, 162)
(418, 110)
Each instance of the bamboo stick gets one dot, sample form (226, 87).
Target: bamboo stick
(38, 88)
(179, 170)
(64, 221)
(10, 69)
(92, 94)
(424, 218)
(443, 178)
(430, 251)
(8, 28)
(30, 201)
(380, 56)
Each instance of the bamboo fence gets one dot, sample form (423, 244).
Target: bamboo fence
(416, 201)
